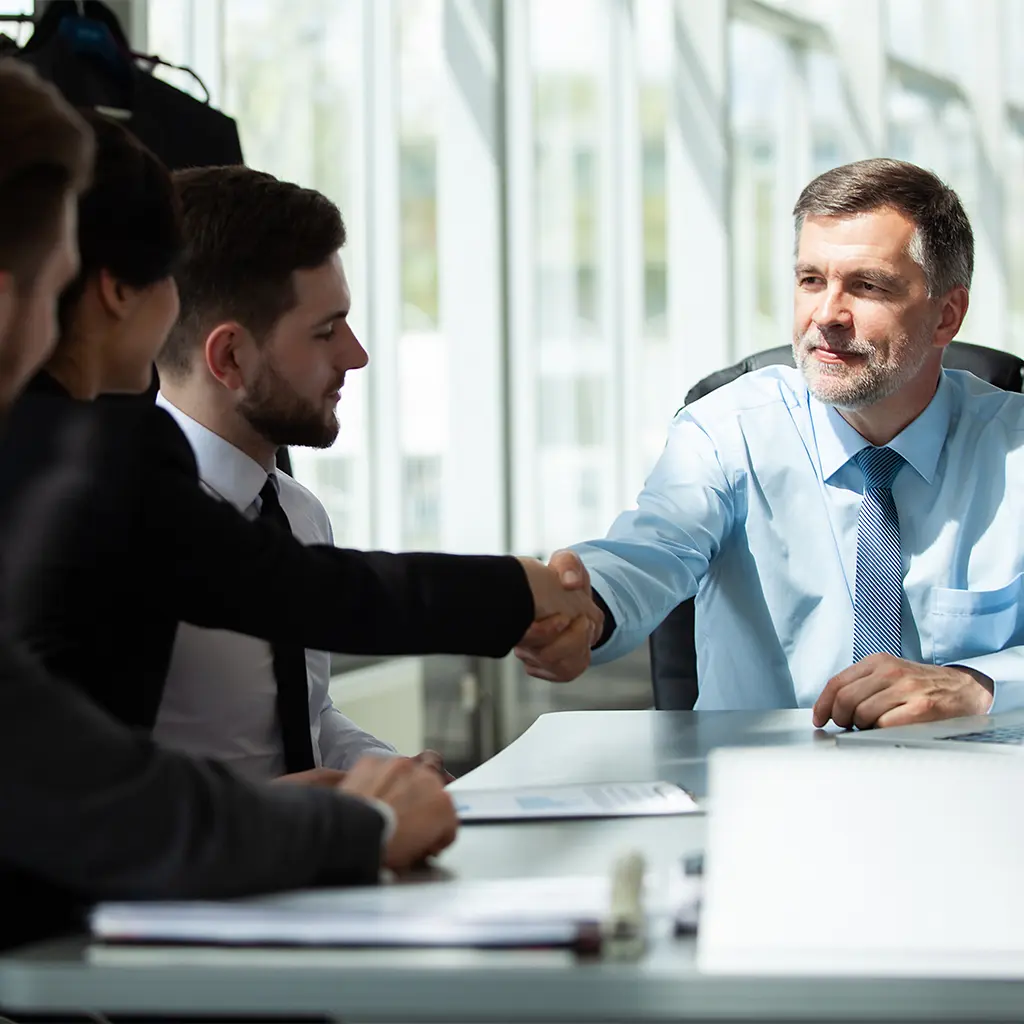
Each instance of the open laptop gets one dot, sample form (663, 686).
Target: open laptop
(987, 734)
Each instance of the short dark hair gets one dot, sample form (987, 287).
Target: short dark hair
(944, 242)
(129, 220)
(46, 152)
(246, 233)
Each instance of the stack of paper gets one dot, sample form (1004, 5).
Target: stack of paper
(517, 912)
(598, 800)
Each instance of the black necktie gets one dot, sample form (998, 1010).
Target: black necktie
(289, 667)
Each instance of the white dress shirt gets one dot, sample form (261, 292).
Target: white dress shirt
(220, 699)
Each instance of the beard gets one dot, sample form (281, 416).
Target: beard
(869, 381)
(278, 413)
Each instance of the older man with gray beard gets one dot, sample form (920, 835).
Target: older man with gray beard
(852, 528)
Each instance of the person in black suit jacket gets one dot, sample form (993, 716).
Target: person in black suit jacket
(91, 809)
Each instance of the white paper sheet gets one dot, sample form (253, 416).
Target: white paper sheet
(602, 800)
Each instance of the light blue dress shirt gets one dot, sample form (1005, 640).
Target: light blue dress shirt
(754, 501)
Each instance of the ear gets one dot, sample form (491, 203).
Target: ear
(115, 297)
(954, 309)
(226, 351)
(7, 303)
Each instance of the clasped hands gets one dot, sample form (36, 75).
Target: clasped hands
(567, 622)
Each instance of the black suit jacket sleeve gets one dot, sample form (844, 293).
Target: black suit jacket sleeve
(195, 558)
(92, 810)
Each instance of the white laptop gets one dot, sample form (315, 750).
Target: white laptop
(870, 863)
(987, 734)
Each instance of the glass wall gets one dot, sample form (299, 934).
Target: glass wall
(423, 394)
(654, 397)
(570, 348)
(16, 31)
(1014, 164)
(562, 213)
(759, 106)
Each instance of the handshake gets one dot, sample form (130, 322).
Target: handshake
(567, 622)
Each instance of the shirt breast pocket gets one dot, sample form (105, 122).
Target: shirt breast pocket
(971, 623)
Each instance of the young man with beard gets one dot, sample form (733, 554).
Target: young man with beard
(852, 528)
(257, 361)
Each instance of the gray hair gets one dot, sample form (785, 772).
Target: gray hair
(943, 242)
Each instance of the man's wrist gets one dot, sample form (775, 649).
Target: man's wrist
(987, 684)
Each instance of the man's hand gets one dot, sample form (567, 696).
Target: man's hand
(881, 691)
(313, 777)
(557, 647)
(425, 816)
(562, 589)
(432, 759)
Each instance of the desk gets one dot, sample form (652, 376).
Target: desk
(468, 985)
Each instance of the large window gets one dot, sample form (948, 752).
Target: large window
(570, 348)
(657, 394)
(16, 31)
(1012, 18)
(1015, 233)
(759, 112)
(562, 213)
(832, 133)
(908, 31)
(423, 395)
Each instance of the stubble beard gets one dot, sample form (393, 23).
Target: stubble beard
(277, 413)
(856, 387)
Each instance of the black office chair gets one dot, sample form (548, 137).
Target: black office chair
(673, 644)
(284, 461)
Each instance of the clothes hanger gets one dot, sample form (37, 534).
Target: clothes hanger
(152, 61)
(91, 29)
(73, 34)
(57, 12)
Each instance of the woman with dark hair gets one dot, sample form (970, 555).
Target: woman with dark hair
(117, 313)
(113, 318)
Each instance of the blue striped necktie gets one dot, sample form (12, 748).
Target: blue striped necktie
(879, 587)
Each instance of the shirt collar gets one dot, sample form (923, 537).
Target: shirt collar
(920, 442)
(223, 468)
